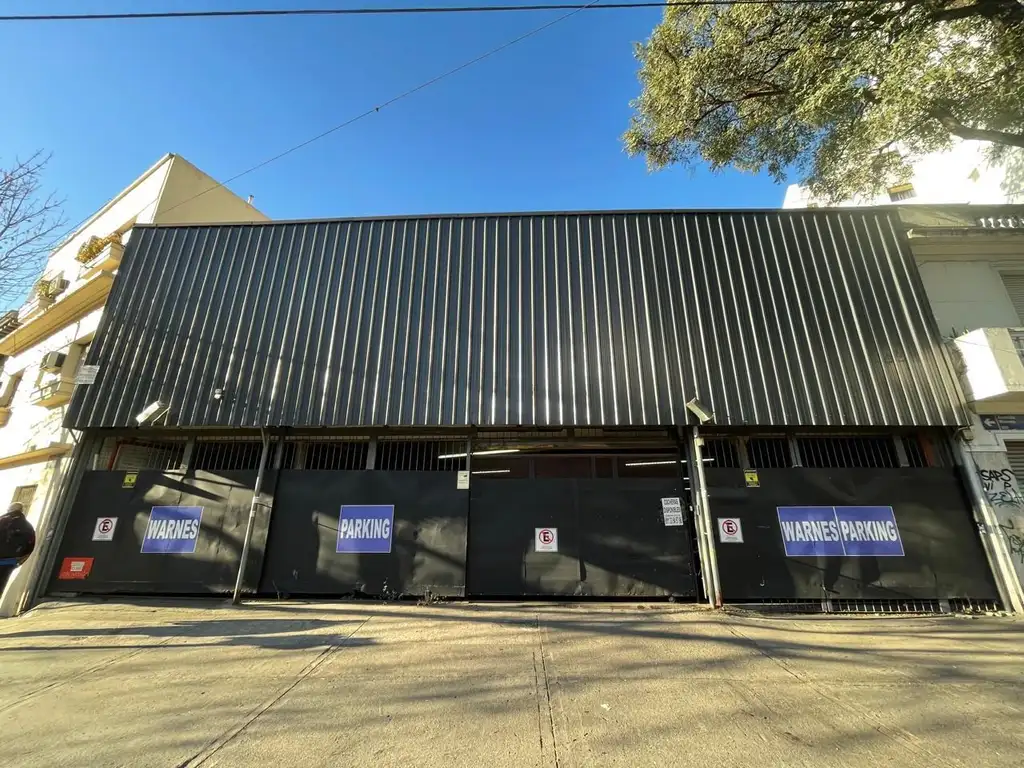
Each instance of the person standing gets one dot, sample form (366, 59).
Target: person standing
(17, 541)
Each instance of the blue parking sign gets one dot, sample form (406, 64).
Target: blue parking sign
(840, 532)
(172, 530)
(365, 528)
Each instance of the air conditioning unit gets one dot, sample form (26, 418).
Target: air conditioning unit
(53, 288)
(53, 362)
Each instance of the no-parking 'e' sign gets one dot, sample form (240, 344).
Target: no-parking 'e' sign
(104, 530)
(730, 530)
(545, 539)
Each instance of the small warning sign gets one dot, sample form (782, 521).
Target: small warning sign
(104, 530)
(129, 479)
(75, 568)
(730, 530)
(672, 511)
(545, 540)
(462, 481)
(87, 374)
(750, 476)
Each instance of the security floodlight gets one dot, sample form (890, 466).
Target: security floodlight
(151, 412)
(701, 411)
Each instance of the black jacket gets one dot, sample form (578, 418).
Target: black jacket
(17, 537)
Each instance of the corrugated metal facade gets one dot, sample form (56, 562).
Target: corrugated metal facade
(770, 318)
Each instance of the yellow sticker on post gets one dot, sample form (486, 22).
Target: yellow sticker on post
(750, 475)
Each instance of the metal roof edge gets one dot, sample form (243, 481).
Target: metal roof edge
(512, 214)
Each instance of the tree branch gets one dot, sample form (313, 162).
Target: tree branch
(1009, 11)
(954, 126)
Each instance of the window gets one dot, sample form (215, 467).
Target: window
(8, 388)
(23, 495)
(848, 452)
(82, 348)
(768, 452)
(421, 455)
(335, 454)
(1014, 284)
(134, 455)
(720, 453)
(1015, 456)
(902, 192)
(228, 454)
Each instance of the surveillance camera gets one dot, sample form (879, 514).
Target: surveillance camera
(701, 411)
(151, 412)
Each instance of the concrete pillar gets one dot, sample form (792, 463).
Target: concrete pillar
(999, 512)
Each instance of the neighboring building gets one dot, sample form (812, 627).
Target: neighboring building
(971, 260)
(960, 176)
(44, 343)
(739, 406)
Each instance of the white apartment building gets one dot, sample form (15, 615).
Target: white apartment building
(44, 343)
(961, 176)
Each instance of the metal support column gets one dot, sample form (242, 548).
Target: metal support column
(188, 456)
(702, 545)
(1011, 592)
(265, 454)
(702, 522)
(794, 451)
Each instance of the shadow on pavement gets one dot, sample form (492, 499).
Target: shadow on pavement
(281, 634)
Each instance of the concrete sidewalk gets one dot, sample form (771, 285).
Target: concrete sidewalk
(358, 684)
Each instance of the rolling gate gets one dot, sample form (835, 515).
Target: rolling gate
(603, 506)
(601, 499)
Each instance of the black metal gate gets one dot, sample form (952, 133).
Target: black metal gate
(118, 561)
(610, 533)
(425, 552)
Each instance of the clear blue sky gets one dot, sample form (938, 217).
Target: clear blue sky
(537, 127)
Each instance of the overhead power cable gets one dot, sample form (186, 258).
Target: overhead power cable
(362, 115)
(402, 11)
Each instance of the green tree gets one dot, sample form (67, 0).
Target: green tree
(843, 96)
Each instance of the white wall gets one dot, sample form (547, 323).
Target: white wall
(34, 425)
(966, 295)
(962, 175)
(165, 194)
(192, 197)
(138, 204)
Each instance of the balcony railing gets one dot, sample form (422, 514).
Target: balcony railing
(36, 305)
(8, 322)
(107, 259)
(53, 393)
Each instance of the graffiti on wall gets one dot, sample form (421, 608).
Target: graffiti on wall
(1000, 487)
(1001, 490)
(1015, 538)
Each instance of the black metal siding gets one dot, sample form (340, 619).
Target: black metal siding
(771, 318)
